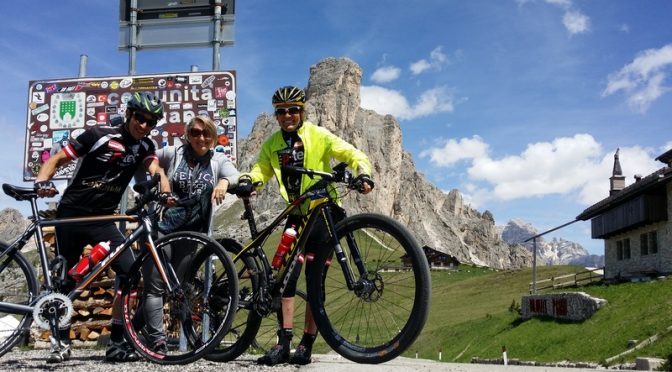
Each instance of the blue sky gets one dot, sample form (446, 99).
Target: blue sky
(519, 104)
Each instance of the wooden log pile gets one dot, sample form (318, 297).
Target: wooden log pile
(92, 309)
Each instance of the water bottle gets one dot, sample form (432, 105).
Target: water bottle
(285, 243)
(97, 253)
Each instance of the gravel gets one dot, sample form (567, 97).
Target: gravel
(90, 360)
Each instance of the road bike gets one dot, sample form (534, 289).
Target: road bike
(195, 319)
(369, 311)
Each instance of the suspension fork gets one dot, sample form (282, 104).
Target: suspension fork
(348, 274)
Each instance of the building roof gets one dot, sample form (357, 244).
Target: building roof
(666, 157)
(659, 177)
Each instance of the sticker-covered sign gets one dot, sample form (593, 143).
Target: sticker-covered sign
(60, 110)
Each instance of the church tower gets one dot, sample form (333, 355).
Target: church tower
(617, 180)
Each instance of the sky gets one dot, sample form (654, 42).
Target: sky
(518, 104)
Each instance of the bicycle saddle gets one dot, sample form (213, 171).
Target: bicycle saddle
(19, 193)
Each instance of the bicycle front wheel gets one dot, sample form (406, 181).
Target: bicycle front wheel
(19, 286)
(385, 312)
(197, 313)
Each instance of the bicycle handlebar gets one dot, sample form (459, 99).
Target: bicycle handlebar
(147, 194)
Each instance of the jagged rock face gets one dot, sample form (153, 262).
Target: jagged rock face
(12, 224)
(556, 252)
(439, 220)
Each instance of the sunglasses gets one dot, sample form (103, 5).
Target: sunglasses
(195, 133)
(291, 110)
(141, 119)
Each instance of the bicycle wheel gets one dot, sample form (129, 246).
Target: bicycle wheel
(19, 286)
(387, 310)
(200, 309)
(267, 336)
(246, 324)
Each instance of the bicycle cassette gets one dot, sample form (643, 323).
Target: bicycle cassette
(53, 305)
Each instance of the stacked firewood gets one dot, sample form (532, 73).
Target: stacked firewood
(92, 309)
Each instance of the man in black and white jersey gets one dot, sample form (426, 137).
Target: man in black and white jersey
(108, 157)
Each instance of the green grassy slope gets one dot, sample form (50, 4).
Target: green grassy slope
(470, 317)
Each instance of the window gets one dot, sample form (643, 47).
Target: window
(626, 249)
(644, 244)
(619, 250)
(653, 242)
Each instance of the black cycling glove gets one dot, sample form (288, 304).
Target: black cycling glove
(164, 196)
(245, 187)
(358, 182)
(43, 185)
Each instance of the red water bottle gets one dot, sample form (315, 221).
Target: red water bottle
(97, 253)
(285, 243)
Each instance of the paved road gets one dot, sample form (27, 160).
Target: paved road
(86, 360)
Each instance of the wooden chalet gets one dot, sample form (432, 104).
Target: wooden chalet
(634, 222)
(436, 259)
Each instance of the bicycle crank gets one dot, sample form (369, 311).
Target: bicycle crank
(53, 305)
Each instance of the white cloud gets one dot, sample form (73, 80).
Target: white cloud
(436, 61)
(642, 80)
(388, 101)
(454, 151)
(625, 28)
(386, 74)
(562, 3)
(576, 22)
(573, 166)
(420, 66)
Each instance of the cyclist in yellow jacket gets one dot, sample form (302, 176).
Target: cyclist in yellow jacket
(299, 143)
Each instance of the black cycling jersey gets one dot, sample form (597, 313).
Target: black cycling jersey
(293, 156)
(108, 158)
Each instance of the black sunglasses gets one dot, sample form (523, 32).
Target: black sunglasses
(195, 133)
(291, 110)
(141, 119)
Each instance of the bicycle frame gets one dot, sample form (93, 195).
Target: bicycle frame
(321, 210)
(144, 230)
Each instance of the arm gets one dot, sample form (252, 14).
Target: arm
(154, 168)
(227, 176)
(48, 170)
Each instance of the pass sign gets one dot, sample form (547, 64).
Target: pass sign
(61, 110)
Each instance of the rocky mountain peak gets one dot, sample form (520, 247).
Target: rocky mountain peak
(439, 220)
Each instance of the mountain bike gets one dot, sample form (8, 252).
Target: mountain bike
(369, 311)
(195, 316)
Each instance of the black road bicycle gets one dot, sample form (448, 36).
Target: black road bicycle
(195, 318)
(370, 307)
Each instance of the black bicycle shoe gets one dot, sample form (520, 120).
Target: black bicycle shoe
(301, 355)
(278, 354)
(120, 352)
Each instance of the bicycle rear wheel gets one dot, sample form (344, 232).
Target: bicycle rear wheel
(250, 331)
(19, 286)
(246, 324)
(200, 309)
(385, 313)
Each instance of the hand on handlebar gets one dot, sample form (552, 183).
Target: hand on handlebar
(45, 189)
(363, 183)
(168, 199)
(245, 188)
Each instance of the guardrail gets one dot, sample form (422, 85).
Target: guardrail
(569, 280)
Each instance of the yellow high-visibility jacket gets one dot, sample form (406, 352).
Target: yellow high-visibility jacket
(320, 146)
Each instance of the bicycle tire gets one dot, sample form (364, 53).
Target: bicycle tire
(246, 324)
(267, 335)
(194, 323)
(384, 319)
(19, 286)
(250, 331)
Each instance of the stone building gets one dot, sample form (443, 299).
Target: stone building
(635, 223)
